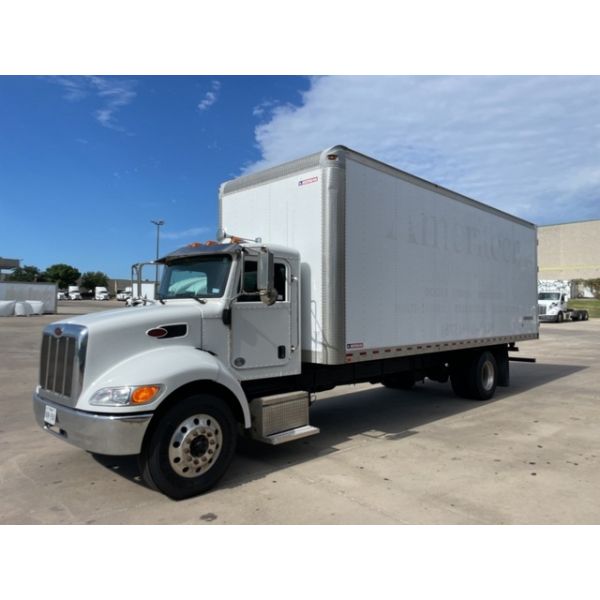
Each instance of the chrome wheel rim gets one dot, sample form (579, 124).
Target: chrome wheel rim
(487, 375)
(195, 446)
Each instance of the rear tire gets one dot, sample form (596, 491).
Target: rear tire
(191, 447)
(476, 378)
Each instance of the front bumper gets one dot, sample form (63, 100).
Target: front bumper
(114, 435)
(550, 318)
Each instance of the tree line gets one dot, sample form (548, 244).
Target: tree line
(61, 274)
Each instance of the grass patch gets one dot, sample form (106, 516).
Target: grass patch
(592, 306)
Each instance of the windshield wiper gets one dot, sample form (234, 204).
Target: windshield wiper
(201, 300)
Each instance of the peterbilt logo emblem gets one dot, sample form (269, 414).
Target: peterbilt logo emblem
(58, 332)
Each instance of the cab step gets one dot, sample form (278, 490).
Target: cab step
(281, 418)
(291, 434)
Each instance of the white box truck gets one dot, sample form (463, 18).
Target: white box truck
(328, 270)
(101, 293)
(73, 292)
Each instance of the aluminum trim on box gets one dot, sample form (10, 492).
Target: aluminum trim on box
(430, 347)
(333, 266)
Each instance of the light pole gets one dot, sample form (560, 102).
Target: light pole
(158, 225)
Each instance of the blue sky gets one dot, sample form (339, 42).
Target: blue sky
(87, 162)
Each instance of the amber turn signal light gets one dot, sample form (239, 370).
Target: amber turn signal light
(144, 394)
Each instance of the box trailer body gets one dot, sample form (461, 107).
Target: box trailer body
(329, 270)
(391, 264)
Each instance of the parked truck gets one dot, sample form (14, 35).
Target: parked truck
(124, 294)
(553, 299)
(329, 270)
(101, 293)
(73, 292)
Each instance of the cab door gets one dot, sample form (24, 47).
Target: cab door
(261, 335)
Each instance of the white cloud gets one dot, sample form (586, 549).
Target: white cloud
(113, 93)
(210, 97)
(116, 93)
(527, 145)
(186, 233)
(74, 87)
(264, 108)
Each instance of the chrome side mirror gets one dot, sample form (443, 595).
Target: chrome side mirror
(265, 276)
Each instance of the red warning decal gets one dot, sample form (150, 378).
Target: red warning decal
(307, 181)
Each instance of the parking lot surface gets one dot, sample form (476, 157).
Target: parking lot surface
(530, 455)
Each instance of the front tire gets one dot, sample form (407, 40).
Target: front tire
(560, 317)
(191, 447)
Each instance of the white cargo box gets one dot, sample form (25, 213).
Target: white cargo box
(392, 265)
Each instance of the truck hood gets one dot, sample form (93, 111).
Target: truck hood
(115, 335)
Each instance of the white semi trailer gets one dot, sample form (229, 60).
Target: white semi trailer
(329, 270)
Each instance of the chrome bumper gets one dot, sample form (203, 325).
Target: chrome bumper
(119, 435)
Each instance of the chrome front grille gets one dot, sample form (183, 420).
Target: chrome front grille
(541, 309)
(62, 362)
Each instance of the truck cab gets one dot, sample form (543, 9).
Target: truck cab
(101, 293)
(73, 293)
(552, 306)
(165, 380)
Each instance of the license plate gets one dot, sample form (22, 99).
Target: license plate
(50, 415)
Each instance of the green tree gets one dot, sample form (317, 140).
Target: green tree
(63, 275)
(26, 273)
(93, 279)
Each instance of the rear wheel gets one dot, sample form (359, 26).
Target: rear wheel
(191, 447)
(476, 378)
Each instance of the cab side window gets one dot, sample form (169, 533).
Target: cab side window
(250, 288)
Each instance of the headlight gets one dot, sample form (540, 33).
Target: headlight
(125, 395)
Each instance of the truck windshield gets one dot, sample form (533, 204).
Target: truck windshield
(196, 277)
(548, 296)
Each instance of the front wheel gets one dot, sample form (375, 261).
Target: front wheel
(560, 318)
(191, 447)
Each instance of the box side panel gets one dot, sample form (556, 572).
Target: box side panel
(422, 268)
(287, 211)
